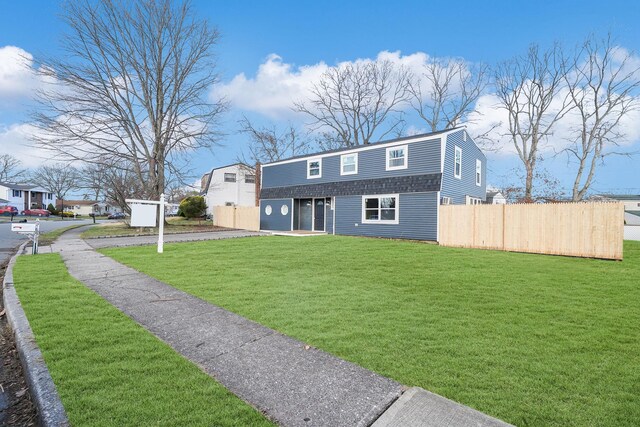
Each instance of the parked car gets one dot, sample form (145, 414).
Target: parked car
(117, 215)
(8, 210)
(36, 212)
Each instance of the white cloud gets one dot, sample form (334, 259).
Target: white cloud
(15, 140)
(18, 78)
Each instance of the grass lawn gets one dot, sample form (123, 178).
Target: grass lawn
(531, 339)
(49, 237)
(108, 370)
(175, 225)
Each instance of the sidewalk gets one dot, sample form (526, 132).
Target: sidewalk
(289, 381)
(293, 384)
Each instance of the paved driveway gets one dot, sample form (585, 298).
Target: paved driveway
(632, 232)
(9, 240)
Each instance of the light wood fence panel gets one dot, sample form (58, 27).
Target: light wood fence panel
(592, 230)
(241, 217)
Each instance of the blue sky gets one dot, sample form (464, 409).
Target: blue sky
(305, 34)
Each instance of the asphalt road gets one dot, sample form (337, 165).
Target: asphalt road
(9, 240)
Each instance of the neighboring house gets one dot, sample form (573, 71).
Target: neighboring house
(387, 189)
(86, 207)
(232, 185)
(26, 196)
(631, 201)
(494, 197)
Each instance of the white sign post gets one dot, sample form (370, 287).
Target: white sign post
(32, 231)
(143, 214)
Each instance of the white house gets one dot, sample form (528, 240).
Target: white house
(494, 197)
(86, 207)
(232, 185)
(26, 196)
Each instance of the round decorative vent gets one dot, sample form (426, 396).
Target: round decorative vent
(268, 210)
(284, 209)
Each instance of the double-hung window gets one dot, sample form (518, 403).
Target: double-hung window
(250, 179)
(457, 164)
(314, 168)
(381, 209)
(397, 158)
(349, 164)
(229, 177)
(17, 193)
(478, 172)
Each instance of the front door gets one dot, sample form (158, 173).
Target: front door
(318, 217)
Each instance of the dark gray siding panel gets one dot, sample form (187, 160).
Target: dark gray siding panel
(396, 184)
(328, 215)
(276, 221)
(424, 158)
(418, 218)
(456, 188)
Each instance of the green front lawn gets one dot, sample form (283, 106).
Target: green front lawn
(174, 225)
(108, 370)
(531, 339)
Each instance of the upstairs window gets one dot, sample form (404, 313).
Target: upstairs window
(17, 193)
(457, 167)
(314, 168)
(473, 200)
(396, 158)
(478, 172)
(349, 164)
(250, 179)
(380, 209)
(229, 177)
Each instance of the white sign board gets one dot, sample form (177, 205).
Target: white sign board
(143, 215)
(23, 228)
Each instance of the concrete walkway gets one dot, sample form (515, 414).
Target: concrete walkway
(293, 384)
(110, 242)
(289, 381)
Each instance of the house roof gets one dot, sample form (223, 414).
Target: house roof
(80, 202)
(388, 141)
(3, 201)
(493, 193)
(15, 186)
(621, 196)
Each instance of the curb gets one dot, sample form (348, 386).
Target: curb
(51, 413)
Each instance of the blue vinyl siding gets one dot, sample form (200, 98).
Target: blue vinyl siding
(276, 221)
(418, 218)
(328, 215)
(423, 157)
(458, 189)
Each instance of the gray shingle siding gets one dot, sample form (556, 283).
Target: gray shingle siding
(276, 221)
(458, 189)
(396, 184)
(423, 156)
(418, 218)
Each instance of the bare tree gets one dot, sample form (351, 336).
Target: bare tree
(122, 183)
(603, 88)
(94, 178)
(10, 169)
(354, 103)
(528, 88)
(132, 87)
(269, 144)
(58, 178)
(447, 92)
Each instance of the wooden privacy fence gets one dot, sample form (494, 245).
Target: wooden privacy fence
(242, 217)
(593, 230)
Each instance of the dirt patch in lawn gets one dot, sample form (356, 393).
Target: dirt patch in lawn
(16, 407)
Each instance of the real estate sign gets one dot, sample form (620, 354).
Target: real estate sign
(143, 215)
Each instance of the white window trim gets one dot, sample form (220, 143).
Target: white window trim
(344, 156)
(470, 200)
(455, 152)
(478, 172)
(381, 221)
(309, 161)
(406, 158)
(445, 200)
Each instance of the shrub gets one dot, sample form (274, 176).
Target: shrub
(192, 207)
(52, 209)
